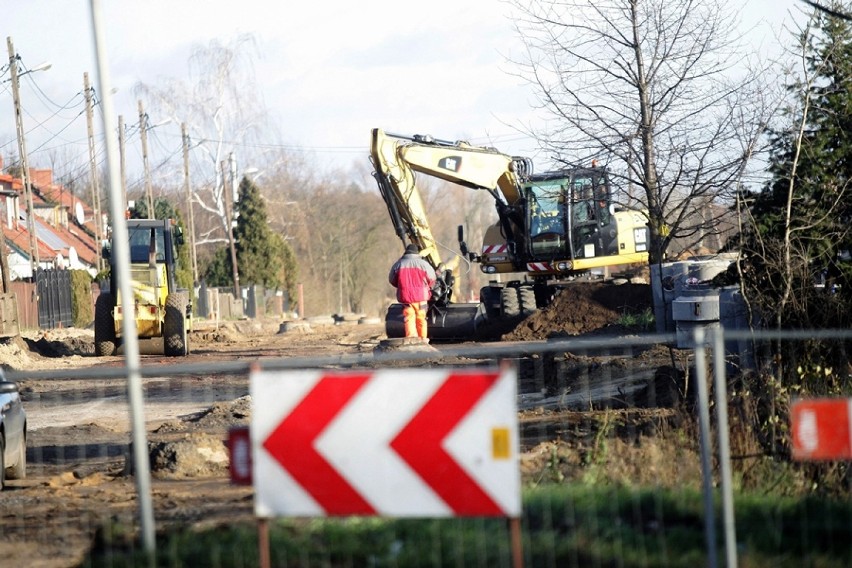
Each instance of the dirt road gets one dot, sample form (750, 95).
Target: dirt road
(79, 434)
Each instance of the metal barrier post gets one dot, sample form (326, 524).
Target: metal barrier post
(720, 379)
(706, 465)
(121, 250)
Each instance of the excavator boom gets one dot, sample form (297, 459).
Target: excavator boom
(395, 176)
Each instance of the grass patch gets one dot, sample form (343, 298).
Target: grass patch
(641, 321)
(563, 525)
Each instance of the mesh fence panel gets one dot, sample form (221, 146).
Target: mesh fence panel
(611, 464)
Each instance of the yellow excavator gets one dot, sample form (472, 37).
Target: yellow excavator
(552, 226)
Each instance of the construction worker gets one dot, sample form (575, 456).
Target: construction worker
(413, 279)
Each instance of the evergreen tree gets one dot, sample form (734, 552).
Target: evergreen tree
(811, 169)
(263, 257)
(218, 271)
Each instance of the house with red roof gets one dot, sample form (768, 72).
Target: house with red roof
(63, 230)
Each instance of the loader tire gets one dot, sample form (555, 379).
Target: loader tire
(527, 297)
(509, 303)
(104, 326)
(175, 342)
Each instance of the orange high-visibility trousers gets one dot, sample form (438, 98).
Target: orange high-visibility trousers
(414, 316)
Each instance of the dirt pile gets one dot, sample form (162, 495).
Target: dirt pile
(219, 417)
(196, 455)
(583, 308)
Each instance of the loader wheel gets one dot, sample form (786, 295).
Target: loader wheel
(104, 326)
(509, 302)
(175, 342)
(527, 296)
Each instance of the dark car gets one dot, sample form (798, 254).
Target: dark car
(13, 433)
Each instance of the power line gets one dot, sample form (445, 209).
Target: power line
(43, 96)
(55, 135)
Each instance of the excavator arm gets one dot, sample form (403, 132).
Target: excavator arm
(398, 159)
(404, 201)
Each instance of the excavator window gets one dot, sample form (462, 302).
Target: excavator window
(546, 212)
(590, 197)
(546, 218)
(582, 198)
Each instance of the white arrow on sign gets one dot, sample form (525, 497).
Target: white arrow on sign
(401, 443)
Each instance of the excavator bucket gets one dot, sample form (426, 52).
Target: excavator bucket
(452, 322)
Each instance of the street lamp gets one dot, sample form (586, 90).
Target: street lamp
(22, 149)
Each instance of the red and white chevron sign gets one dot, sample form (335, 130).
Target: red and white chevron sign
(394, 442)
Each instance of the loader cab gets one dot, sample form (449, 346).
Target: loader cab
(152, 243)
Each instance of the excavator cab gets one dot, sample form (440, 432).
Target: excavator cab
(569, 218)
(590, 201)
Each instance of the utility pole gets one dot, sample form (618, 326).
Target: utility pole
(4, 264)
(25, 166)
(232, 164)
(143, 133)
(185, 140)
(229, 218)
(96, 194)
(123, 163)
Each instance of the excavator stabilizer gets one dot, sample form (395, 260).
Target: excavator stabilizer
(451, 322)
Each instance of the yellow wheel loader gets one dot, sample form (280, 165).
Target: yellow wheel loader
(162, 312)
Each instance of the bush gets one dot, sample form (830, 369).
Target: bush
(82, 307)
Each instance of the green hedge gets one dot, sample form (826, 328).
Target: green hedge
(82, 307)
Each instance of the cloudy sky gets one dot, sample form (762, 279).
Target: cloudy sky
(329, 70)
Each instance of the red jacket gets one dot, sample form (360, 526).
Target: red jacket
(413, 279)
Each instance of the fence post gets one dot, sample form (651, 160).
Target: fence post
(203, 310)
(704, 427)
(251, 301)
(723, 432)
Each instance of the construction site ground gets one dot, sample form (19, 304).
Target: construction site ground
(79, 475)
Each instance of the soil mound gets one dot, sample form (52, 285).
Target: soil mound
(220, 416)
(197, 455)
(583, 308)
(65, 347)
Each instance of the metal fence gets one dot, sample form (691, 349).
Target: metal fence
(54, 298)
(45, 304)
(629, 447)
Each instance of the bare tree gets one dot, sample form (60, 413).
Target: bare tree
(339, 231)
(338, 226)
(222, 109)
(656, 89)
